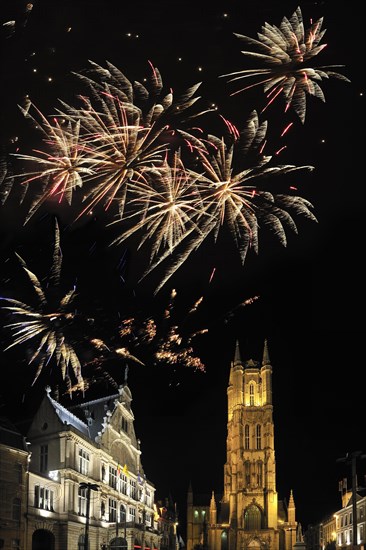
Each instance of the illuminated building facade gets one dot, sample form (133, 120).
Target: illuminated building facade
(14, 457)
(86, 481)
(345, 524)
(249, 516)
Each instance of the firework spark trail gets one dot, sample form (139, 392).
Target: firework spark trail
(283, 52)
(120, 149)
(107, 142)
(232, 198)
(166, 211)
(47, 322)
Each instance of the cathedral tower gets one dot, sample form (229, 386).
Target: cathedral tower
(249, 516)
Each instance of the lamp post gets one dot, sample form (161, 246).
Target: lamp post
(88, 487)
(351, 458)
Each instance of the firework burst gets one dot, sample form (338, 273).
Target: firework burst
(231, 197)
(284, 53)
(105, 145)
(46, 323)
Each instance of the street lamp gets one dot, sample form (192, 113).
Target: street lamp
(351, 458)
(88, 487)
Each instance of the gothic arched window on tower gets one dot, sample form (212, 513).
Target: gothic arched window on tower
(246, 437)
(259, 467)
(252, 518)
(258, 433)
(251, 394)
(247, 473)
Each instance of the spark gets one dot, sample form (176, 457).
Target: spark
(232, 198)
(47, 322)
(284, 52)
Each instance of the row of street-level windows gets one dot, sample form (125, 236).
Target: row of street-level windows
(345, 537)
(115, 511)
(346, 519)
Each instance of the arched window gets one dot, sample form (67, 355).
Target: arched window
(224, 540)
(251, 394)
(122, 513)
(258, 436)
(246, 437)
(247, 473)
(252, 518)
(259, 468)
(118, 543)
(81, 543)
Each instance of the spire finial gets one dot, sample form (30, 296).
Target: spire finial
(266, 359)
(237, 357)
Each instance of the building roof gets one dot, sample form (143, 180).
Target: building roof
(10, 435)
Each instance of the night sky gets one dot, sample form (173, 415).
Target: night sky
(309, 297)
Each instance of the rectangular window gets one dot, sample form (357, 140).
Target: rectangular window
(43, 464)
(82, 501)
(132, 514)
(15, 544)
(112, 510)
(123, 485)
(83, 462)
(43, 498)
(113, 477)
(124, 425)
(133, 493)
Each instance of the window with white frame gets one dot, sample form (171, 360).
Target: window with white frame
(123, 484)
(132, 514)
(133, 492)
(112, 509)
(148, 497)
(43, 498)
(82, 498)
(113, 477)
(83, 462)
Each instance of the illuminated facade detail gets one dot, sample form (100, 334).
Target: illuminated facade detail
(335, 531)
(78, 471)
(14, 459)
(343, 532)
(249, 516)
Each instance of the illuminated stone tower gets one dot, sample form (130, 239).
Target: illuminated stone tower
(249, 516)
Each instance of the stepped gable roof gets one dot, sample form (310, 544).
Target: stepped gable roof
(10, 435)
(89, 417)
(94, 412)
